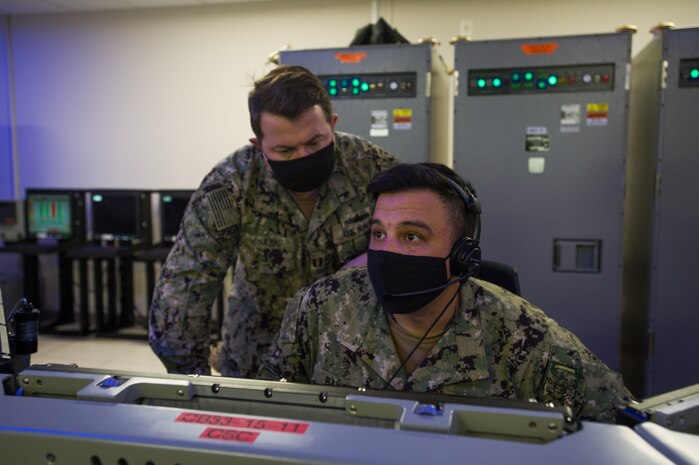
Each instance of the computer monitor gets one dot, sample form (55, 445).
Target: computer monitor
(123, 215)
(55, 214)
(171, 210)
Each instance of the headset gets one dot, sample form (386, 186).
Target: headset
(465, 256)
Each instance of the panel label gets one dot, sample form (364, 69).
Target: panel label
(403, 118)
(539, 49)
(597, 114)
(230, 435)
(379, 123)
(240, 422)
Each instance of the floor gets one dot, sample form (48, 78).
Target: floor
(97, 352)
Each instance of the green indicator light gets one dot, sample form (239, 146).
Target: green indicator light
(365, 86)
(497, 82)
(355, 91)
(167, 198)
(356, 82)
(333, 91)
(516, 77)
(332, 83)
(528, 76)
(694, 73)
(97, 198)
(481, 83)
(541, 84)
(516, 86)
(553, 80)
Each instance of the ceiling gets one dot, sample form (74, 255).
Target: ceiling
(29, 7)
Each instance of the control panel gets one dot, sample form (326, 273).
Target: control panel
(544, 79)
(689, 73)
(384, 85)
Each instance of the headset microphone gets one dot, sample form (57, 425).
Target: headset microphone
(461, 279)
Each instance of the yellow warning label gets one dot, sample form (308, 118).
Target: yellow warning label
(597, 107)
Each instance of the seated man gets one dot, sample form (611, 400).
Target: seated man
(415, 320)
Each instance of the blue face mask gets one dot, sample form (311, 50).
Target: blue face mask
(392, 273)
(306, 173)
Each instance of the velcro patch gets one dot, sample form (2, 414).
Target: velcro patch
(221, 203)
(561, 384)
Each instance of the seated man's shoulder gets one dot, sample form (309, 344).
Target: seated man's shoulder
(346, 283)
(496, 302)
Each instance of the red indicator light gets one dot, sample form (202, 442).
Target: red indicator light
(605, 78)
(571, 79)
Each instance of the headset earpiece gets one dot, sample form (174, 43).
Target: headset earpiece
(465, 256)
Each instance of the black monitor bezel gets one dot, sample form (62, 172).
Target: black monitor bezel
(142, 207)
(77, 220)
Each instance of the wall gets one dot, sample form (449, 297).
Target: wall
(7, 190)
(153, 98)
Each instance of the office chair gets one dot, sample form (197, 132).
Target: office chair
(501, 274)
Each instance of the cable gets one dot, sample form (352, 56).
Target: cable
(458, 291)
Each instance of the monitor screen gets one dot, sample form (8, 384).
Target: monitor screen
(49, 214)
(120, 215)
(172, 205)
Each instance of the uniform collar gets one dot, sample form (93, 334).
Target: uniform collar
(459, 356)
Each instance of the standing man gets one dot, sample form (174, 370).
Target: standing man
(286, 210)
(415, 319)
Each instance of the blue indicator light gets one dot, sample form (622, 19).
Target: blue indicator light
(344, 82)
(516, 77)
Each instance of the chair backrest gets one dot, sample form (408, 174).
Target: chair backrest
(501, 274)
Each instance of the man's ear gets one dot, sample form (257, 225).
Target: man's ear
(254, 141)
(334, 122)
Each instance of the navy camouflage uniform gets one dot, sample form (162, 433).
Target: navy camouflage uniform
(497, 345)
(241, 216)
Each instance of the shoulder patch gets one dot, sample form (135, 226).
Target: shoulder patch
(561, 384)
(221, 203)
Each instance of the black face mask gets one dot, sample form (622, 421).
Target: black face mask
(392, 273)
(306, 173)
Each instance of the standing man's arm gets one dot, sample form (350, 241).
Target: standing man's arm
(289, 355)
(191, 279)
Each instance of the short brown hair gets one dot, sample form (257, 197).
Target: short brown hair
(286, 91)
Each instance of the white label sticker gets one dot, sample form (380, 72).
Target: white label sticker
(536, 165)
(378, 132)
(570, 114)
(536, 130)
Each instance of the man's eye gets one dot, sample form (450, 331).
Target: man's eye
(411, 237)
(377, 234)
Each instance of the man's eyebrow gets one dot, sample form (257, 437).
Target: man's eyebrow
(309, 141)
(403, 224)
